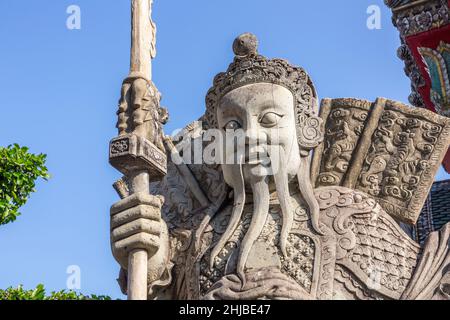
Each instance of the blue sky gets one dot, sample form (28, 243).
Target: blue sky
(59, 92)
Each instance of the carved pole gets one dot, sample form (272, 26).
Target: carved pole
(137, 151)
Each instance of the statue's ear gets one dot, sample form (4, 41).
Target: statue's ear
(309, 131)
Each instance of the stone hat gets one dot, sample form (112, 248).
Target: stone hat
(249, 67)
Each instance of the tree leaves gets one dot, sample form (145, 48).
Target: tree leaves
(39, 293)
(19, 171)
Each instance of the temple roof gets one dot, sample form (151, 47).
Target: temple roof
(436, 211)
(424, 27)
(399, 3)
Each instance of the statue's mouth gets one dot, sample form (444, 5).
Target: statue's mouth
(257, 155)
(255, 161)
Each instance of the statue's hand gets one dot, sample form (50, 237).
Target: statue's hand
(136, 224)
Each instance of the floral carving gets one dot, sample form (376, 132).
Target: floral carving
(370, 245)
(385, 149)
(344, 126)
(423, 17)
(120, 146)
(400, 156)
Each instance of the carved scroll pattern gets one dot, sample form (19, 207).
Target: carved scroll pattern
(343, 128)
(327, 266)
(370, 244)
(402, 158)
(424, 16)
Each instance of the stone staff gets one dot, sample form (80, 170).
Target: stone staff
(138, 152)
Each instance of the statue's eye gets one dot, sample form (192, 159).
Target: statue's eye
(232, 125)
(270, 119)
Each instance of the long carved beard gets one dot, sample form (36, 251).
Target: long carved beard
(236, 215)
(261, 199)
(282, 186)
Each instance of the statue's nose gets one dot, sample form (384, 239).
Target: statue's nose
(254, 136)
(255, 139)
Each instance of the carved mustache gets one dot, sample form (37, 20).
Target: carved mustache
(264, 154)
(257, 155)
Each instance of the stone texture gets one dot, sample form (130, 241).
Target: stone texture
(386, 149)
(238, 234)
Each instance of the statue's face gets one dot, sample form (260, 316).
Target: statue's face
(265, 114)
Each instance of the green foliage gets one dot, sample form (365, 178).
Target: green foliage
(19, 171)
(39, 294)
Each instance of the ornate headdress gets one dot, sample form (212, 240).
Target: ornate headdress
(249, 67)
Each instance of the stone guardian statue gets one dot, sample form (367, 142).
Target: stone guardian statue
(277, 228)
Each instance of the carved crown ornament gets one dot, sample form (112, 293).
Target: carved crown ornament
(250, 67)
